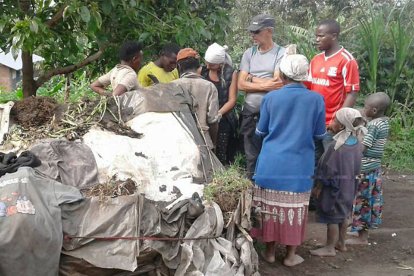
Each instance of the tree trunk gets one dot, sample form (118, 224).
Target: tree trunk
(29, 84)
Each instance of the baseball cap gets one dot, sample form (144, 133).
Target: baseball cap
(186, 53)
(261, 21)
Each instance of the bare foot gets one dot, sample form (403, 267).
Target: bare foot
(352, 233)
(340, 246)
(268, 258)
(356, 241)
(324, 252)
(292, 261)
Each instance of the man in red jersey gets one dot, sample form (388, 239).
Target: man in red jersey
(334, 72)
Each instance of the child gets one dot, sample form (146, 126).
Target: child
(337, 179)
(369, 201)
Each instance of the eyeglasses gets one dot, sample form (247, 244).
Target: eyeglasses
(256, 32)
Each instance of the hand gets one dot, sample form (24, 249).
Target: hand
(272, 85)
(334, 126)
(316, 191)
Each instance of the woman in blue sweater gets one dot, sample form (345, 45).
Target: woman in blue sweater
(290, 119)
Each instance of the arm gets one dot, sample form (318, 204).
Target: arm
(232, 96)
(99, 88)
(262, 128)
(143, 78)
(213, 131)
(350, 99)
(119, 90)
(320, 127)
(350, 74)
(257, 84)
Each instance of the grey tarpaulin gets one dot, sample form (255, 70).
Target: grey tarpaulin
(30, 222)
(167, 97)
(133, 216)
(71, 163)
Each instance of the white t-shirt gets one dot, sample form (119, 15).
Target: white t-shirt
(120, 74)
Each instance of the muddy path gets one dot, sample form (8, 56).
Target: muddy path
(391, 249)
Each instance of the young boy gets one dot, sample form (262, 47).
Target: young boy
(369, 199)
(337, 179)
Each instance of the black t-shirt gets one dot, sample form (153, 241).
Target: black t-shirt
(223, 85)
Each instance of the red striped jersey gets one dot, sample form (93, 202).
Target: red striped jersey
(333, 77)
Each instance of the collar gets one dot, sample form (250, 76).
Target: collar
(294, 85)
(334, 54)
(190, 75)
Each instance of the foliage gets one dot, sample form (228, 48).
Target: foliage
(55, 88)
(77, 32)
(227, 186)
(399, 150)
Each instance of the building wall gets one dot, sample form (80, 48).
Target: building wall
(9, 78)
(6, 82)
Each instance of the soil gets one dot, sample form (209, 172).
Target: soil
(391, 248)
(33, 111)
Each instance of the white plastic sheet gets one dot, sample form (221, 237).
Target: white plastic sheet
(163, 162)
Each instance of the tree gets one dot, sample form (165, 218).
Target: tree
(70, 34)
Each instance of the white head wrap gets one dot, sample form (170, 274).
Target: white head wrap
(217, 54)
(295, 67)
(346, 116)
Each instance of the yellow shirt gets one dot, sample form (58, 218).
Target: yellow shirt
(158, 72)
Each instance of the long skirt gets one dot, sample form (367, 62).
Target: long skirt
(280, 216)
(369, 201)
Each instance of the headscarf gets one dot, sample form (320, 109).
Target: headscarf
(295, 67)
(217, 54)
(346, 116)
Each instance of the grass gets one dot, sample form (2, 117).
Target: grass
(227, 186)
(399, 150)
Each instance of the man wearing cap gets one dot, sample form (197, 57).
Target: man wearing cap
(203, 92)
(258, 75)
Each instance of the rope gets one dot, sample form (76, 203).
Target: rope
(141, 238)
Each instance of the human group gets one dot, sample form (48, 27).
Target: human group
(303, 140)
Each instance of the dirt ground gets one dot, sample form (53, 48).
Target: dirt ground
(391, 249)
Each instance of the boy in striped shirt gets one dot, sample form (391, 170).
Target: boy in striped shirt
(369, 201)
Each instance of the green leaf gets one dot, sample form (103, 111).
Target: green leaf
(85, 14)
(133, 3)
(2, 25)
(143, 36)
(34, 27)
(106, 7)
(15, 52)
(66, 12)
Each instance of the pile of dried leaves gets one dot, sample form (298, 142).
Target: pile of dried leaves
(113, 188)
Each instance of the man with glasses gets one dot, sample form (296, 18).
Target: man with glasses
(259, 74)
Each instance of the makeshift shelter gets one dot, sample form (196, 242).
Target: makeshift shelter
(158, 224)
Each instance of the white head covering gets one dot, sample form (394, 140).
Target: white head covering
(217, 54)
(346, 116)
(295, 67)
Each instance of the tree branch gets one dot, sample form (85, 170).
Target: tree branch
(56, 17)
(68, 69)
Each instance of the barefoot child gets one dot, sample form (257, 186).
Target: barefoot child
(368, 203)
(337, 179)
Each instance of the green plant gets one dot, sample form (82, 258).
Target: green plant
(399, 150)
(227, 186)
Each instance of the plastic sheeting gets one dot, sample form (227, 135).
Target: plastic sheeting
(163, 162)
(205, 253)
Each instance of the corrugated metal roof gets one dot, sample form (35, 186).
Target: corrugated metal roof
(16, 64)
